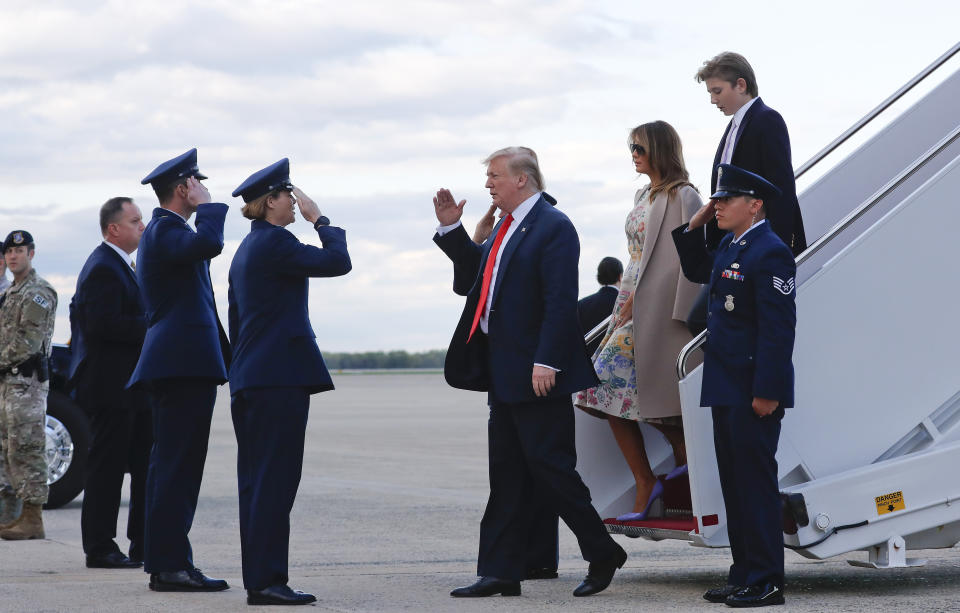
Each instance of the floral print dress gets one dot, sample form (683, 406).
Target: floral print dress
(614, 362)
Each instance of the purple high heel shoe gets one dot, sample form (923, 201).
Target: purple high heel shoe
(655, 495)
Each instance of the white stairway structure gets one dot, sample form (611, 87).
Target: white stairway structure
(869, 459)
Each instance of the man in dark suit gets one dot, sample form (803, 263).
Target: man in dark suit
(519, 340)
(276, 367)
(184, 358)
(756, 140)
(107, 325)
(594, 308)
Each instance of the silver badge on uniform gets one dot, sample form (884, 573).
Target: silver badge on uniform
(735, 266)
(742, 243)
(729, 303)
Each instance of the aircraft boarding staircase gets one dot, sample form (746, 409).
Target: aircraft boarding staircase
(867, 458)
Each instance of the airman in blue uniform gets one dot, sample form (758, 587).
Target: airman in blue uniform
(276, 367)
(184, 358)
(747, 372)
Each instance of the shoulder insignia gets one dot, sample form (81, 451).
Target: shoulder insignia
(43, 302)
(784, 287)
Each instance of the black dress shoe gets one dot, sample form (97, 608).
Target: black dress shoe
(189, 580)
(541, 573)
(719, 594)
(600, 574)
(114, 559)
(279, 594)
(756, 596)
(488, 586)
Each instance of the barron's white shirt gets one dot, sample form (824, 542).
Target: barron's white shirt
(728, 145)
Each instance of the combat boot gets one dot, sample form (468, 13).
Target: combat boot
(9, 509)
(29, 526)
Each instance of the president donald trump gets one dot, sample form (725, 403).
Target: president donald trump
(518, 339)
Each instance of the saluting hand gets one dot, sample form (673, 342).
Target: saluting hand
(543, 380)
(308, 208)
(485, 225)
(197, 193)
(446, 207)
(704, 215)
(764, 406)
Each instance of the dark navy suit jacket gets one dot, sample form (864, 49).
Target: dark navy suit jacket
(107, 325)
(763, 147)
(593, 309)
(184, 336)
(749, 348)
(270, 332)
(533, 314)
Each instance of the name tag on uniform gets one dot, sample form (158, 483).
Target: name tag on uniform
(732, 274)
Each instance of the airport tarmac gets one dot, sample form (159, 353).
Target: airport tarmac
(393, 489)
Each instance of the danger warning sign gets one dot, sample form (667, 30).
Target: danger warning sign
(888, 503)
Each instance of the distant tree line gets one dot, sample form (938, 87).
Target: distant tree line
(385, 359)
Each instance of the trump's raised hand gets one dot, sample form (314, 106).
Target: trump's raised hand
(446, 207)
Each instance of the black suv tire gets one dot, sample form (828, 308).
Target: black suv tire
(68, 441)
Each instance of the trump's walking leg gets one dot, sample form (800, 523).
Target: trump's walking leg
(182, 409)
(504, 530)
(546, 432)
(270, 425)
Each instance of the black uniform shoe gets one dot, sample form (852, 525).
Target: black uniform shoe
(756, 596)
(488, 586)
(600, 574)
(719, 594)
(541, 573)
(279, 594)
(189, 580)
(114, 559)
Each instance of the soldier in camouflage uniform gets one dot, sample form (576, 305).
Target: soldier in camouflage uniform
(27, 312)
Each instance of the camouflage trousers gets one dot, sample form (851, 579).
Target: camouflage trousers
(23, 440)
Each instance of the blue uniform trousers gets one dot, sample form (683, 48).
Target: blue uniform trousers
(746, 447)
(182, 409)
(270, 424)
(533, 465)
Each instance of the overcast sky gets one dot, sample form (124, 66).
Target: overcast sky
(378, 104)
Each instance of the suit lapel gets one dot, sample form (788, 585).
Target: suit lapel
(115, 257)
(746, 122)
(520, 233)
(654, 220)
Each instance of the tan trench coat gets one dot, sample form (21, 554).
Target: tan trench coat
(661, 303)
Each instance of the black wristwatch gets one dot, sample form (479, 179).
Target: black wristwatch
(323, 220)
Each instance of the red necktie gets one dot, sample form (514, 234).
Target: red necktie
(488, 273)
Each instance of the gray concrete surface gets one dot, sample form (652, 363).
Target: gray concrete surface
(387, 520)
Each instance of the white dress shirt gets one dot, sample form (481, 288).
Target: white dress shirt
(737, 238)
(728, 145)
(126, 256)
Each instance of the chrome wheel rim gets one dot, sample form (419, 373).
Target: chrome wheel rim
(59, 451)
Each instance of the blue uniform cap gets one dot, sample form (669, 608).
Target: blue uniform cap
(17, 238)
(735, 181)
(172, 170)
(273, 177)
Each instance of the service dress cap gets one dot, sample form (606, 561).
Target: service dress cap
(17, 238)
(735, 181)
(177, 168)
(273, 177)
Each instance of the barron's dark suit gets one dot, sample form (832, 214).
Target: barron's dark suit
(184, 358)
(763, 148)
(748, 354)
(593, 309)
(107, 328)
(532, 320)
(276, 366)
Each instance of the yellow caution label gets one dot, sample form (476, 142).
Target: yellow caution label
(888, 503)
